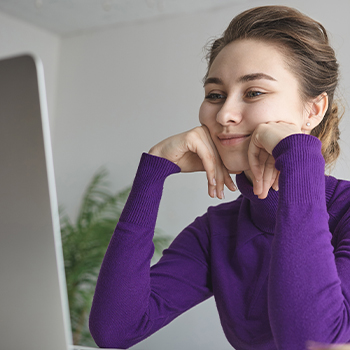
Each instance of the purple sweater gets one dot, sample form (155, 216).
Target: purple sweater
(278, 268)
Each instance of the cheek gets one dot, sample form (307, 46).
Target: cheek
(207, 113)
(271, 110)
(263, 112)
(285, 108)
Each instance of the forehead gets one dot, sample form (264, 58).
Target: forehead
(250, 56)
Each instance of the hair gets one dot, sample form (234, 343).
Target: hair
(305, 45)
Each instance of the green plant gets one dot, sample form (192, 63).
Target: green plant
(84, 245)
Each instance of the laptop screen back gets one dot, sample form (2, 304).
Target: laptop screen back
(33, 303)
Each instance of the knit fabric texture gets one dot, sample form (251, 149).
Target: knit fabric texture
(278, 268)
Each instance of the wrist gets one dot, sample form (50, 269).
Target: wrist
(300, 162)
(154, 151)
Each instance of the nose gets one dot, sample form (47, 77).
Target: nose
(229, 113)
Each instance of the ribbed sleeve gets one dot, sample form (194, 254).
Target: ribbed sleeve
(143, 202)
(300, 161)
(132, 300)
(305, 295)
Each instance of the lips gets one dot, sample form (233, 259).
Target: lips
(232, 139)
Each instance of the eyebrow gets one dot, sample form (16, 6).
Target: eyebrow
(242, 79)
(255, 76)
(213, 80)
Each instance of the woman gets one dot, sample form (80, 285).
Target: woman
(277, 259)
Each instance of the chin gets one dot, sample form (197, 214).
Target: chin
(236, 164)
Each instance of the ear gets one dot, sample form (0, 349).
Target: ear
(317, 108)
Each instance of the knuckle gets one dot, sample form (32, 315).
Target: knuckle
(190, 135)
(210, 157)
(192, 138)
(197, 130)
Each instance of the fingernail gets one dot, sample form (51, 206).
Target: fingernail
(310, 345)
(222, 195)
(234, 187)
(214, 193)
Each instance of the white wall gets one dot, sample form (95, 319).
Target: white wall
(124, 89)
(18, 37)
(112, 94)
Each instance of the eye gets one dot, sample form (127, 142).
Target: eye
(253, 94)
(213, 97)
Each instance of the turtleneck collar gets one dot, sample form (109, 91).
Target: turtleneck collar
(262, 211)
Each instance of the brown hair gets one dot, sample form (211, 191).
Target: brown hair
(305, 44)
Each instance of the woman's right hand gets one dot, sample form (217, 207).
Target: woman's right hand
(192, 151)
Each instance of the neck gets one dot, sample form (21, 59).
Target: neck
(262, 211)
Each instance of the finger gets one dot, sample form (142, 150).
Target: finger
(275, 183)
(274, 176)
(221, 172)
(220, 181)
(228, 181)
(225, 179)
(207, 156)
(215, 187)
(259, 185)
(255, 167)
(268, 176)
(257, 157)
(218, 189)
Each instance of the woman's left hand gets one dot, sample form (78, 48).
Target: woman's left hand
(319, 346)
(262, 164)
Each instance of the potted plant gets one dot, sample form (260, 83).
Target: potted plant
(84, 244)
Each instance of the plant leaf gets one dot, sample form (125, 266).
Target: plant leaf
(85, 243)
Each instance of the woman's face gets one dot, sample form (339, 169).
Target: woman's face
(248, 84)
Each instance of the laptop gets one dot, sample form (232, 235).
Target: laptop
(34, 311)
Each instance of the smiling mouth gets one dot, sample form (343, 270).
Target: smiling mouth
(230, 140)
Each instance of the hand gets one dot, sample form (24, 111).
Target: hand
(262, 164)
(319, 346)
(193, 151)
